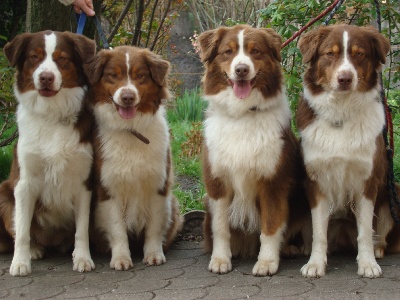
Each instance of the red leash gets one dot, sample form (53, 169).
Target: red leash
(297, 33)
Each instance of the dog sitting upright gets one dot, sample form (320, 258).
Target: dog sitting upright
(46, 199)
(251, 159)
(133, 166)
(340, 120)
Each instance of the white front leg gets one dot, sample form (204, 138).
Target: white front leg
(318, 259)
(221, 253)
(268, 258)
(367, 265)
(26, 194)
(109, 219)
(156, 228)
(81, 255)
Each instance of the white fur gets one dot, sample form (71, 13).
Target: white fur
(129, 86)
(53, 167)
(132, 173)
(346, 66)
(244, 148)
(340, 158)
(241, 58)
(339, 147)
(48, 64)
(268, 258)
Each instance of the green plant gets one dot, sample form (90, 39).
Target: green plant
(188, 107)
(185, 135)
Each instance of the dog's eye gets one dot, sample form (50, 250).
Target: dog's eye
(62, 59)
(34, 58)
(330, 54)
(139, 76)
(228, 52)
(254, 51)
(360, 54)
(112, 75)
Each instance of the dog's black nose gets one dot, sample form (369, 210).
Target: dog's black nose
(46, 78)
(242, 70)
(345, 79)
(128, 98)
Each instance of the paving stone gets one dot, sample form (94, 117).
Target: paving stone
(185, 276)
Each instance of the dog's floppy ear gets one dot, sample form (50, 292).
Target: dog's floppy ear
(95, 69)
(159, 68)
(85, 47)
(380, 44)
(209, 41)
(274, 42)
(14, 50)
(310, 41)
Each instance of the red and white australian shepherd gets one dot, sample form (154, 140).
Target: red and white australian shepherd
(133, 167)
(251, 159)
(46, 200)
(340, 120)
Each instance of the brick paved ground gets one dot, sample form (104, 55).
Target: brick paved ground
(185, 276)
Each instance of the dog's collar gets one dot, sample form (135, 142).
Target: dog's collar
(140, 136)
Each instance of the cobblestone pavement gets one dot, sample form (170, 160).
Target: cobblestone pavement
(185, 276)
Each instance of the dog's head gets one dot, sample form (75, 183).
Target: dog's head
(343, 58)
(48, 61)
(129, 80)
(241, 58)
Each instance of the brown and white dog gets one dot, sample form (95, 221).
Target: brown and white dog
(46, 200)
(133, 168)
(251, 159)
(340, 120)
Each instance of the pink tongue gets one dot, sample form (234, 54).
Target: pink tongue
(242, 88)
(127, 112)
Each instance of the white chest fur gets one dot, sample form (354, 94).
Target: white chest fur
(339, 145)
(50, 154)
(132, 171)
(244, 146)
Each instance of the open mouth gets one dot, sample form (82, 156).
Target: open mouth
(126, 112)
(46, 92)
(242, 88)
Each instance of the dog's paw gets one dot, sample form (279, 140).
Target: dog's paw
(154, 259)
(37, 252)
(369, 269)
(82, 264)
(220, 265)
(265, 267)
(379, 252)
(20, 267)
(121, 263)
(313, 270)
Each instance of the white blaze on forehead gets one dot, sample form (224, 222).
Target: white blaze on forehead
(48, 64)
(242, 58)
(346, 65)
(128, 86)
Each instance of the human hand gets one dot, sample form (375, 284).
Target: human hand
(84, 5)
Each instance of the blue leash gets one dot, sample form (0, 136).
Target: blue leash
(81, 19)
